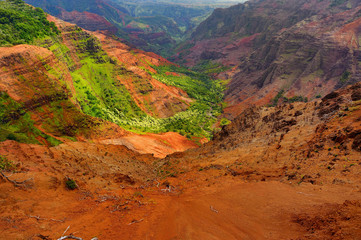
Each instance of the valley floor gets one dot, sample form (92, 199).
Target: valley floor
(223, 207)
(262, 210)
(288, 172)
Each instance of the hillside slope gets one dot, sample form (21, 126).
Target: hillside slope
(72, 85)
(151, 26)
(80, 142)
(297, 49)
(286, 172)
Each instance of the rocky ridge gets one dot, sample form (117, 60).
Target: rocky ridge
(302, 49)
(294, 165)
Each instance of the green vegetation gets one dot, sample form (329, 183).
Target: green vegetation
(296, 99)
(71, 184)
(196, 121)
(279, 96)
(209, 67)
(16, 123)
(224, 122)
(5, 164)
(151, 26)
(335, 3)
(21, 23)
(274, 101)
(202, 114)
(345, 77)
(100, 94)
(98, 91)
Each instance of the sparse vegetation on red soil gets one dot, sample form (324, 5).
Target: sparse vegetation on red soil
(99, 140)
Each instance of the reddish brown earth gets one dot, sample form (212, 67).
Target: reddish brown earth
(18, 61)
(12, 59)
(164, 100)
(289, 172)
(92, 21)
(285, 172)
(25, 76)
(301, 47)
(160, 145)
(114, 19)
(157, 99)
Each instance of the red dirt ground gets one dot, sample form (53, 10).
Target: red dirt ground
(264, 176)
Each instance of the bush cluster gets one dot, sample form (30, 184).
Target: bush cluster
(21, 23)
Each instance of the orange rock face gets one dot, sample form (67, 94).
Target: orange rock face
(164, 101)
(286, 172)
(289, 172)
(35, 77)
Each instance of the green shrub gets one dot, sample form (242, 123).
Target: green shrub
(16, 123)
(224, 121)
(21, 23)
(5, 164)
(71, 184)
(11, 136)
(345, 76)
(293, 99)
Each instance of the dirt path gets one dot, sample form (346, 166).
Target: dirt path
(263, 210)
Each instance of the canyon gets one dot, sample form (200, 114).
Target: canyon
(259, 138)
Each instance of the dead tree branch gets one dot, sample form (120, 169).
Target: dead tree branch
(214, 210)
(135, 221)
(50, 219)
(116, 208)
(70, 237)
(168, 189)
(14, 182)
(65, 230)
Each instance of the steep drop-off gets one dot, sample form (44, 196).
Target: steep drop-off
(297, 49)
(286, 172)
(74, 85)
(151, 26)
(151, 96)
(289, 170)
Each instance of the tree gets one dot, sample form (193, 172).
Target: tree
(18, 2)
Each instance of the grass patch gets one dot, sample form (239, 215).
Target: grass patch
(21, 23)
(209, 67)
(293, 99)
(71, 184)
(345, 76)
(6, 164)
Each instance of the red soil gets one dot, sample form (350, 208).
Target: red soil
(22, 75)
(160, 145)
(164, 101)
(88, 20)
(260, 178)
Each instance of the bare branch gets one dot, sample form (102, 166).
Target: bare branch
(168, 189)
(118, 206)
(41, 236)
(14, 182)
(40, 218)
(106, 198)
(65, 230)
(135, 221)
(214, 210)
(70, 237)
(56, 220)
